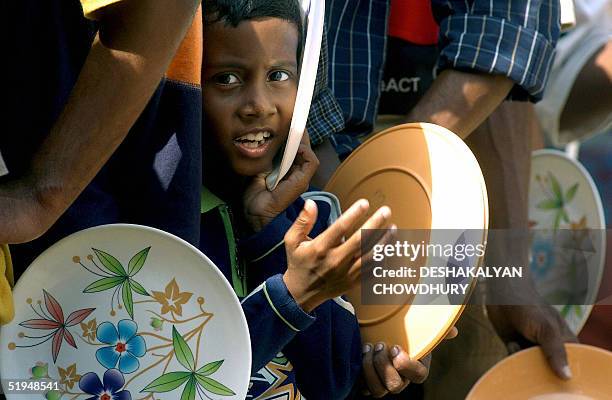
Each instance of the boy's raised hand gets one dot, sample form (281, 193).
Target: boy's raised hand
(327, 266)
(261, 205)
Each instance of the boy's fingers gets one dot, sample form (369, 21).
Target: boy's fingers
(299, 175)
(298, 232)
(452, 333)
(377, 226)
(363, 241)
(258, 182)
(304, 156)
(387, 373)
(347, 222)
(373, 383)
(291, 187)
(384, 235)
(413, 370)
(378, 221)
(309, 163)
(297, 172)
(357, 267)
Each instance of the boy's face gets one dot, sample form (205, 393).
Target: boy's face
(250, 83)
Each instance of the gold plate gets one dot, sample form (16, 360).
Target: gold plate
(527, 375)
(431, 180)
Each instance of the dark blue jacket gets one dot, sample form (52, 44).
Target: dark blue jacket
(319, 353)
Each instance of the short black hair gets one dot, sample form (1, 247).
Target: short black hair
(233, 12)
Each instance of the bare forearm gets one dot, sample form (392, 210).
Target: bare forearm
(461, 101)
(136, 42)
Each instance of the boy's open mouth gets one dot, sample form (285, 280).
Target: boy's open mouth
(253, 144)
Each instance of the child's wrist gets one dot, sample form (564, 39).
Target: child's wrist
(308, 300)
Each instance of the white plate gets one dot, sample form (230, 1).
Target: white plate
(562, 195)
(314, 16)
(182, 310)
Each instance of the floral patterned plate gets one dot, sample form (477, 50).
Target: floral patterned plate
(122, 312)
(568, 240)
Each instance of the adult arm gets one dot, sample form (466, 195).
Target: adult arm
(461, 101)
(489, 49)
(134, 46)
(518, 313)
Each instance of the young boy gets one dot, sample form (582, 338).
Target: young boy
(305, 339)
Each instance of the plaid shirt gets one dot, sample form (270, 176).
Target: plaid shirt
(515, 38)
(325, 115)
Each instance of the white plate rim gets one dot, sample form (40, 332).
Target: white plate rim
(541, 153)
(314, 15)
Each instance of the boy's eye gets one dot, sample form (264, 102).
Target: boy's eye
(278, 76)
(226, 79)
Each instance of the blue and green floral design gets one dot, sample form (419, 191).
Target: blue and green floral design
(125, 346)
(120, 347)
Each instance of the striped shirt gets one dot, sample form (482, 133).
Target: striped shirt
(515, 38)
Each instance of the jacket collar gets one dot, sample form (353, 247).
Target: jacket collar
(209, 201)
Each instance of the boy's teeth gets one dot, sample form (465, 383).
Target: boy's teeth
(255, 137)
(253, 145)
